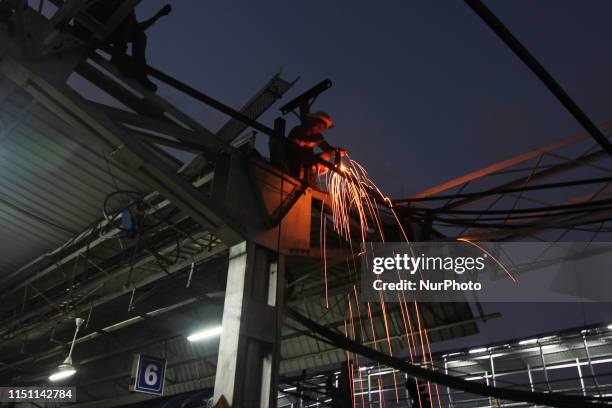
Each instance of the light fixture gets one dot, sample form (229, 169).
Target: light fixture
(495, 355)
(610, 327)
(205, 334)
(525, 342)
(478, 350)
(66, 369)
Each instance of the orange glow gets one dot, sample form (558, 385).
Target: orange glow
(355, 203)
(491, 256)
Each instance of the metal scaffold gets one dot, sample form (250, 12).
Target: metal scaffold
(101, 221)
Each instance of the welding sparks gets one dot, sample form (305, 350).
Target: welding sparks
(501, 265)
(356, 204)
(350, 190)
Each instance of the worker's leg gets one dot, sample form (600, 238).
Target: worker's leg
(119, 40)
(139, 46)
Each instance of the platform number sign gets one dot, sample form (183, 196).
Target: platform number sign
(148, 374)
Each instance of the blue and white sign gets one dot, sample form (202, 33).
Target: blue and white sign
(149, 373)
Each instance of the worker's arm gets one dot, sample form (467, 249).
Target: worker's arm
(164, 11)
(326, 147)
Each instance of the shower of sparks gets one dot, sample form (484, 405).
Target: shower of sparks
(350, 190)
(355, 203)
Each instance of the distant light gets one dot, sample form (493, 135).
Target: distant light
(491, 356)
(478, 350)
(525, 342)
(205, 334)
(63, 371)
(610, 327)
(546, 347)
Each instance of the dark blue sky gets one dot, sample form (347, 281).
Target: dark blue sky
(423, 91)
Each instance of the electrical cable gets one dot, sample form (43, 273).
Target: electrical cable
(497, 191)
(515, 210)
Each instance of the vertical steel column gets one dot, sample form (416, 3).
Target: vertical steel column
(492, 369)
(588, 354)
(531, 386)
(247, 367)
(493, 375)
(448, 390)
(369, 388)
(408, 403)
(580, 377)
(486, 373)
(544, 368)
(530, 378)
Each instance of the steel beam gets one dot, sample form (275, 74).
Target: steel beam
(71, 107)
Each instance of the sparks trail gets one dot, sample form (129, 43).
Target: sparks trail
(356, 202)
(497, 261)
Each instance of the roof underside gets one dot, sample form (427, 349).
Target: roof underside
(53, 182)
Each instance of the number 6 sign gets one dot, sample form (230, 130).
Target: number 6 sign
(148, 374)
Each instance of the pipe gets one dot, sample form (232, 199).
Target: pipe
(553, 400)
(553, 86)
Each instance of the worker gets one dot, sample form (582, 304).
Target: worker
(130, 31)
(308, 136)
(6, 16)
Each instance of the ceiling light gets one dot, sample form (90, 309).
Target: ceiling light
(478, 350)
(205, 334)
(66, 369)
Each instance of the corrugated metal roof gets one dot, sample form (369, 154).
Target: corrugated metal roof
(52, 182)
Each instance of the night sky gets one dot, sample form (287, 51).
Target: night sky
(423, 91)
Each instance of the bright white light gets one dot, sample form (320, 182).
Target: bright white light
(525, 342)
(610, 327)
(478, 350)
(547, 338)
(546, 347)
(491, 356)
(64, 371)
(205, 334)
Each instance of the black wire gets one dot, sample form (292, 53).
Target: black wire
(522, 217)
(515, 210)
(497, 191)
(518, 226)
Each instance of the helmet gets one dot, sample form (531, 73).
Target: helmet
(322, 116)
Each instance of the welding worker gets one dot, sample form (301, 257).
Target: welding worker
(130, 31)
(308, 136)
